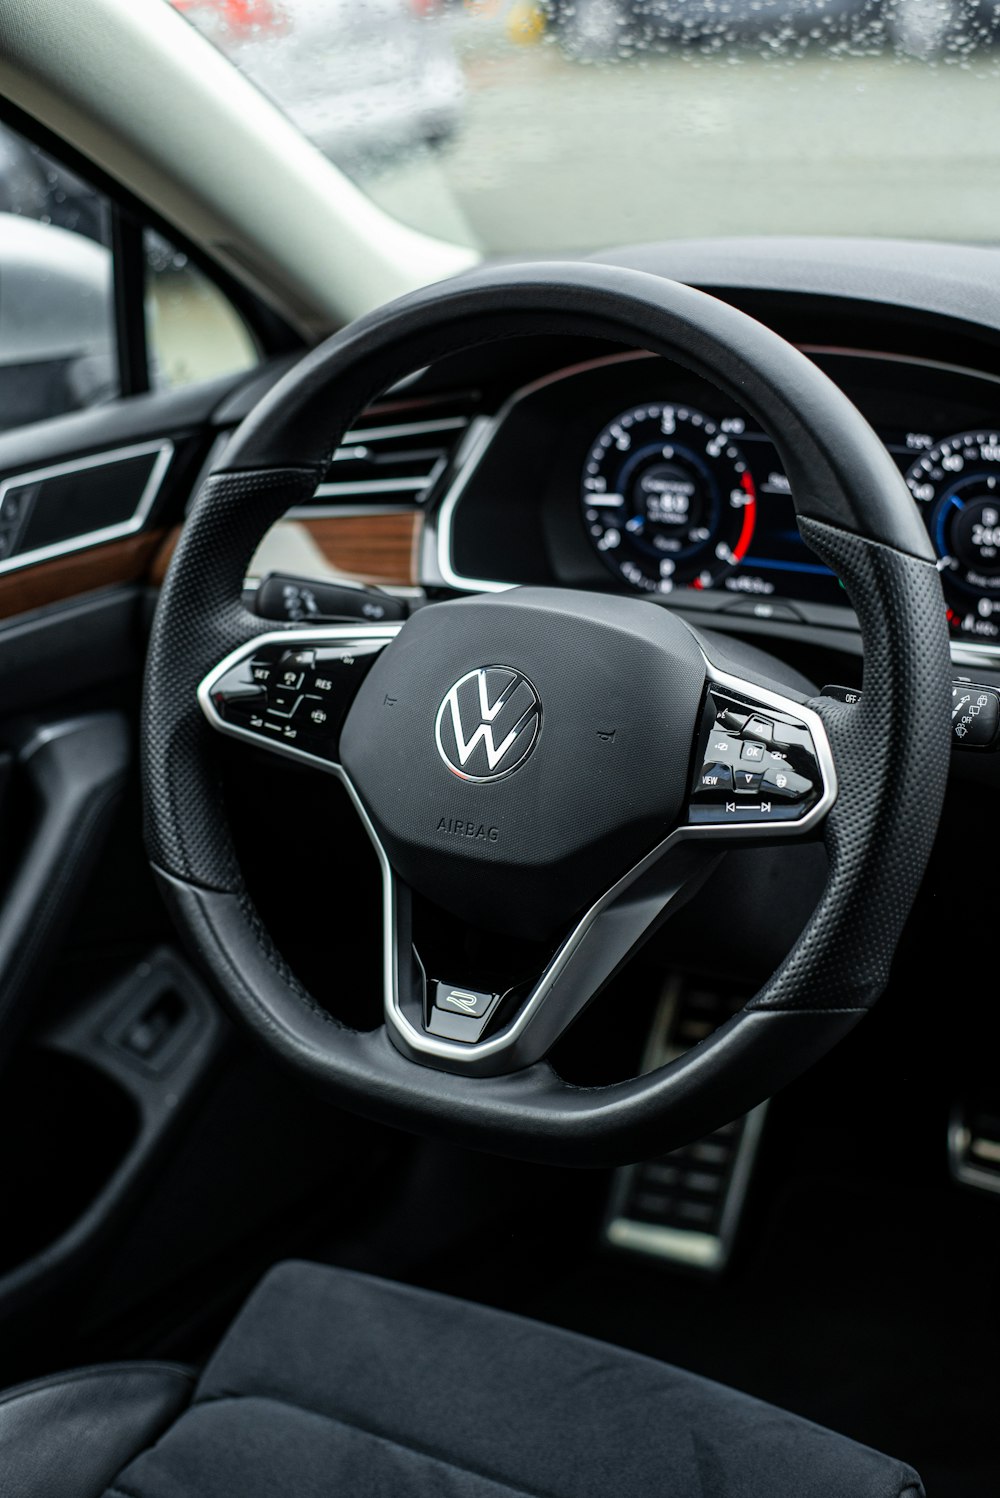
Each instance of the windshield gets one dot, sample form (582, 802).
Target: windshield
(516, 126)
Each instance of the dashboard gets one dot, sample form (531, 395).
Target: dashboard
(626, 472)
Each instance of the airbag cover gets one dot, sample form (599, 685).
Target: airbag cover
(518, 752)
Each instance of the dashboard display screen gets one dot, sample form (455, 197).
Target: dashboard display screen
(673, 498)
(628, 473)
(778, 562)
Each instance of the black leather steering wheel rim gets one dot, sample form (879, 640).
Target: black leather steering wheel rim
(892, 749)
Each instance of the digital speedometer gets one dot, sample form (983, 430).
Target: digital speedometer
(956, 483)
(667, 497)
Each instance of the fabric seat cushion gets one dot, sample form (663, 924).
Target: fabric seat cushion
(333, 1383)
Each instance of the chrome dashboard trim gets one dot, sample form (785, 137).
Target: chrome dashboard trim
(344, 512)
(375, 486)
(360, 436)
(968, 653)
(480, 435)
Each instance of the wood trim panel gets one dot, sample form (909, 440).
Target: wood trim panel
(375, 548)
(372, 548)
(161, 558)
(378, 548)
(41, 583)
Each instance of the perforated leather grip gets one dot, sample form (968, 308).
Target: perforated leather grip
(892, 751)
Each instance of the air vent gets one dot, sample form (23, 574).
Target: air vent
(391, 461)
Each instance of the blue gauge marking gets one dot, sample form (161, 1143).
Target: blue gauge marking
(949, 502)
(816, 568)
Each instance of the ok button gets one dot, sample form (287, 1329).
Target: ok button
(752, 753)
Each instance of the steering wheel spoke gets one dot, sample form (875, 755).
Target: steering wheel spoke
(443, 1018)
(764, 770)
(290, 690)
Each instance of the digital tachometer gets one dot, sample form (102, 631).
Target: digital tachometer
(667, 498)
(956, 483)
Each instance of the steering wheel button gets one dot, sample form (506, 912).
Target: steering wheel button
(351, 653)
(760, 729)
(721, 747)
(783, 783)
(747, 782)
(732, 721)
(752, 754)
(282, 704)
(316, 713)
(262, 672)
(792, 736)
(238, 704)
(738, 811)
(714, 780)
(292, 668)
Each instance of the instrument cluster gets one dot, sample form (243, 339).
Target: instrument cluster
(628, 473)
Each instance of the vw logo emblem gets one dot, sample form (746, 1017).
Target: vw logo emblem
(487, 723)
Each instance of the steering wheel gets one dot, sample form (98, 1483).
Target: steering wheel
(547, 774)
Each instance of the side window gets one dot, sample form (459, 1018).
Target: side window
(59, 344)
(193, 332)
(57, 320)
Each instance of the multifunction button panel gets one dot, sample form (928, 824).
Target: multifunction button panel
(295, 694)
(754, 765)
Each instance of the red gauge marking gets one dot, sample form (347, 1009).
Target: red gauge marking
(746, 531)
(749, 518)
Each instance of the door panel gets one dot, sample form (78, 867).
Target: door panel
(94, 495)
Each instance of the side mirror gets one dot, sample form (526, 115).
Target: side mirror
(57, 340)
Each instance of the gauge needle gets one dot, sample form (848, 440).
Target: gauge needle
(958, 709)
